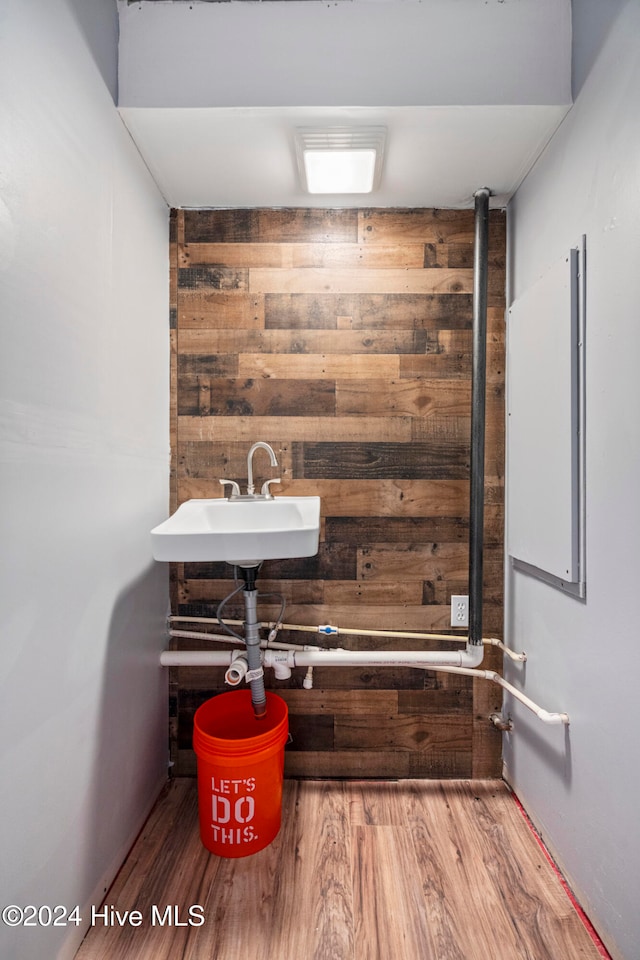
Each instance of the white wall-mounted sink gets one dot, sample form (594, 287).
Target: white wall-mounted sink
(242, 532)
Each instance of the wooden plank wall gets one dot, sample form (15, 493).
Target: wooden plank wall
(343, 338)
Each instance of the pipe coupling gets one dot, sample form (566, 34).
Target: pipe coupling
(237, 670)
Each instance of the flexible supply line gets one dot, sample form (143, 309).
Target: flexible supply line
(329, 630)
(224, 638)
(279, 645)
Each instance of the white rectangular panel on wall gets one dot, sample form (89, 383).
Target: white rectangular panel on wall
(544, 448)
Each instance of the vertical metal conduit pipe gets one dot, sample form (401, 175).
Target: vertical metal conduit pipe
(478, 394)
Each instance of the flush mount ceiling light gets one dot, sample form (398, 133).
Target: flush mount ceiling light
(340, 159)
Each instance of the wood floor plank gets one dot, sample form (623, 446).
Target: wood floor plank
(314, 917)
(168, 867)
(382, 870)
(389, 919)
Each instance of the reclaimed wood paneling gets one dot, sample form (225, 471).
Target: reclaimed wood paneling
(343, 338)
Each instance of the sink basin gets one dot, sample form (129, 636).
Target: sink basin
(242, 532)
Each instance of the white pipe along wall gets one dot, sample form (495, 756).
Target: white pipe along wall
(291, 656)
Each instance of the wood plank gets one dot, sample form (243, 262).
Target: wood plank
(461, 341)
(301, 311)
(454, 361)
(404, 732)
(365, 678)
(359, 280)
(362, 498)
(203, 308)
(425, 226)
(387, 617)
(203, 395)
(317, 923)
(390, 919)
(413, 529)
(397, 529)
(434, 255)
(445, 875)
(312, 731)
(375, 804)
(461, 255)
(451, 700)
(360, 764)
(208, 458)
(317, 366)
(333, 561)
(414, 310)
(449, 427)
(296, 255)
(293, 590)
(345, 763)
(204, 364)
(299, 590)
(356, 591)
(406, 397)
(416, 461)
(262, 226)
(411, 311)
(335, 702)
(424, 561)
(218, 342)
(239, 908)
(213, 277)
(275, 429)
(476, 846)
(164, 860)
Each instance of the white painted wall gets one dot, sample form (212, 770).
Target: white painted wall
(312, 53)
(83, 471)
(581, 786)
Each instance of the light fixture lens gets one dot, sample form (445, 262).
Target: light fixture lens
(339, 171)
(340, 159)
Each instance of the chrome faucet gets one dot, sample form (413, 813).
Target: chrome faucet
(260, 445)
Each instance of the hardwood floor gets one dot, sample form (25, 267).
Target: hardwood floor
(404, 870)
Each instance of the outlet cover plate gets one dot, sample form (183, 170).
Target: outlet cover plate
(459, 611)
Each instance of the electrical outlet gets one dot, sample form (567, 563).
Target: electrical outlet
(459, 611)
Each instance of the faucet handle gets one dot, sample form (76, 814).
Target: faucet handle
(235, 489)
(265, 492)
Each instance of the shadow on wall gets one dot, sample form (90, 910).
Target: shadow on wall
(591, 23)
(131, 736)
(553, 749)
(97, 21)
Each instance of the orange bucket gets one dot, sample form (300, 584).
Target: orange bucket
(240, 772)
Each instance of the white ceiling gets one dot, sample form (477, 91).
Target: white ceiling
(245, 157)
(470, 93)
